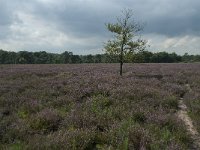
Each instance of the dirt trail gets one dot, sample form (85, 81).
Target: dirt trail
(182, 114)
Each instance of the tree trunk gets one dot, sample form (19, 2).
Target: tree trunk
(121, 59)
(121, 63)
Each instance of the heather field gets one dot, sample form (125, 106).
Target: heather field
(89, 106)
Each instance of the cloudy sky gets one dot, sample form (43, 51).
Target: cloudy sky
(79, 25)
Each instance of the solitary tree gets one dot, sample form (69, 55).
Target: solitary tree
(124, 43)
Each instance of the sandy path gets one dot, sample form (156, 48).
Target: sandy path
(182, 114)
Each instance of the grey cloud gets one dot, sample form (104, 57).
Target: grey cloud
(86, 18)
(5, 20)
(5, 15)
(174, 18)
(77, 18)
(175, 26)
(167, 17)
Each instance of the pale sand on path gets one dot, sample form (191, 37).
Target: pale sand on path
(182, 114)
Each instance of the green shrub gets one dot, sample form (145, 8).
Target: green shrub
(46, 120)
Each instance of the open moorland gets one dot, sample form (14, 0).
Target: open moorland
(89, 106)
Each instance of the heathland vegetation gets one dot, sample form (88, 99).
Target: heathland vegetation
(89, 106)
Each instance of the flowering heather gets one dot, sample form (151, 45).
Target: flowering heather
(89, 106)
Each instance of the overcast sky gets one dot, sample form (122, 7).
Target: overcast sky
(79, 25)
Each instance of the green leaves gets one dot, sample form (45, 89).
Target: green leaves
(138, 45)
(123, 43)
(116, 28)
(112, 47)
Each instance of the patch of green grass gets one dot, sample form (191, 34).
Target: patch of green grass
(100, 104)
(23, 114)
(16, 146)
(170, 103)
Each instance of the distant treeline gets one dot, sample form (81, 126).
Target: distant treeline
(42, 57)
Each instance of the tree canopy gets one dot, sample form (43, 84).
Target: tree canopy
(123, 45)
